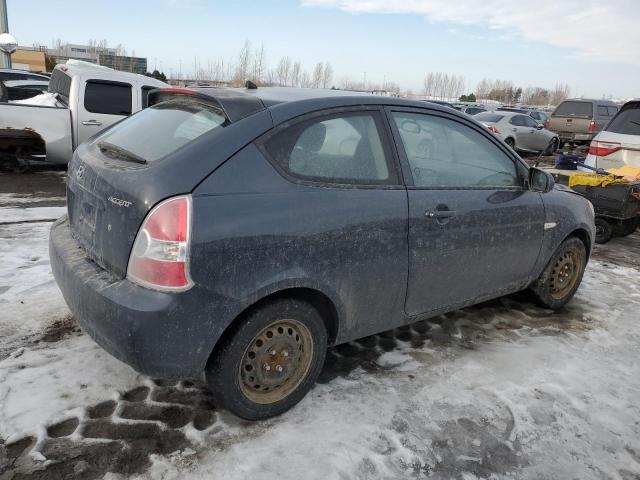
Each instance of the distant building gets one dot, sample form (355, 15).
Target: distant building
(28, 58)
(109, 57)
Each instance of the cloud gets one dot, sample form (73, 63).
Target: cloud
(598, 29)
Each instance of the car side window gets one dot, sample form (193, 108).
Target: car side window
(446, 153)
(612, 110)
(107, 98)
(603, 111)
(529, 122)
(517, 120)
(344, 148)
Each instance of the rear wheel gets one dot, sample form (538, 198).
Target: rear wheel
(560, 280)
(604, 230)
(271, 360)
(626, 227)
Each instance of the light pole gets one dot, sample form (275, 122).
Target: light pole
(5, 56)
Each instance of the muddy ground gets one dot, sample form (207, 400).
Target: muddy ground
(408, 402)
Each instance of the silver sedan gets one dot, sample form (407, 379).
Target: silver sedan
(519, 131)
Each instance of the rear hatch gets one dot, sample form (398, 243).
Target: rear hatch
(572, 116)
(619, 143)
(118, 176)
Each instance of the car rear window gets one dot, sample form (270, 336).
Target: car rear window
(574, 109)
(160, 130)
(60, 83)
(488, 117)
(627, 121)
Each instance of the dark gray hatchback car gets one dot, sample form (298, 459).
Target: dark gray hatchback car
(236, 234)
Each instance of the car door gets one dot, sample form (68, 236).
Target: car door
(101, 104)
(522, 132)
(538, 138)
(475, 229)
(348, 225)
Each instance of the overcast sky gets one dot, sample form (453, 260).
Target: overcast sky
(593, 46)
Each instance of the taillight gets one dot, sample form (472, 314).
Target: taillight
(493, 129)
(592, 126)
(602, 149)
(547, 123)
(160, 255)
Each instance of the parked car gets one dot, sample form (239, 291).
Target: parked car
(520, 131)
(538, 115)
(87, 99)
(618, 144)
(23, 89)
(471, 109)
(577, 121)
(16, 74)
(237, 233)
(441, 103)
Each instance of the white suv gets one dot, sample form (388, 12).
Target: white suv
(618, 144)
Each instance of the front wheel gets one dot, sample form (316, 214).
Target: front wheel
(552, 148)
(270, 361)
(560, 280)
(511, 142)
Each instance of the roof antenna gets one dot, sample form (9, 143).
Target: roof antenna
(249, 85)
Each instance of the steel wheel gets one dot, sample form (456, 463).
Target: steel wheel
(564, 274)
(276, 361)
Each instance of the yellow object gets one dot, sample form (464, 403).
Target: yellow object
(593, 180)
(628, 171)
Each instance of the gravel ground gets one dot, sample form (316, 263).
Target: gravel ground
(499, 390)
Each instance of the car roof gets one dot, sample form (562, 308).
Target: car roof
(288, 102)
(590, 100)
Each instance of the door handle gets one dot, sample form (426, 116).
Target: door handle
(92, 123)
(440, 214)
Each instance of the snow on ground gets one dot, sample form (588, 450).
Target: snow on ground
(501, 390)
(9, 215)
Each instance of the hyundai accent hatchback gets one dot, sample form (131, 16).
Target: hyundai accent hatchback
(235, 234)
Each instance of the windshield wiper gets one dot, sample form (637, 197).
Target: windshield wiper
(119, 152)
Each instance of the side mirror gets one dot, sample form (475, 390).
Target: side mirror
(539, 126)
(540, 181)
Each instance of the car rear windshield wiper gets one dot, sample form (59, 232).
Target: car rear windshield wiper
(119, 152)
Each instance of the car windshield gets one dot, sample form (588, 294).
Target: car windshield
(488, 117)
(157, 131)
(574, 109)
(627, 121)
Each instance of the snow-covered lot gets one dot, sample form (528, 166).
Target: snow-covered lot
(501, 390)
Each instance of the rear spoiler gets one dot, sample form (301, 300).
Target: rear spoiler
(235, 105)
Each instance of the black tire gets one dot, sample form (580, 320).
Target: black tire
(552, 148)
(560, 279)
(626, 227)
(604, 230)
(233, 374)
(511, 142)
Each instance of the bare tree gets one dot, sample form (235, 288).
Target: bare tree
(327, 75)
(283, 70)
(259, 61)
(296, 71)
(305, 79)
(242, 67)
(317, 75)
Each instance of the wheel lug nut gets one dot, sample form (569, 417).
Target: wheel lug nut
(285, 353)
(273, 352)
(279, 368)
(267, 367)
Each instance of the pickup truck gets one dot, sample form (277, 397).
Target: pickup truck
(86, 99)
(578, 120)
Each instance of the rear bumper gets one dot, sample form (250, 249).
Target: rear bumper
(581, 138)
(168, 335)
